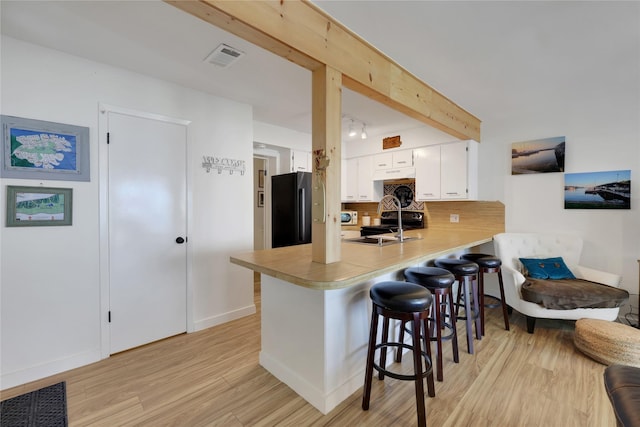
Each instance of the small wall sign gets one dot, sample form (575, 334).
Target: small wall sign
(391, 142)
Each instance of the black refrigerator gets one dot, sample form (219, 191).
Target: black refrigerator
(290, 209)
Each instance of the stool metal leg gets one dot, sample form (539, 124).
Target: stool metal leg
(431, 387)
(417, 369)
(481, 298)
(368, 372)
(478, 308)
(400, 339)
(505, 313)
(454, 344)
(383, 354)
(468, 314)
(439, 320)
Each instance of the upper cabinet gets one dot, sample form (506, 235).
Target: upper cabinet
(301, 161)
(442, 172)
(447, 171)
(427, 163)
(397, 159)
(360, 186)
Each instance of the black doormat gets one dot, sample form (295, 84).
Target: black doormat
(46, 407)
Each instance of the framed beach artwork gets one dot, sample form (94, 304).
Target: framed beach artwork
(39, 206)
(538, 156)
(36, 149)
(598, 190)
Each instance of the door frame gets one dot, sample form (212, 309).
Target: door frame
(272, 158)
(103, 168)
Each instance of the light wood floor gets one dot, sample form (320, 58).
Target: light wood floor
(212, 378)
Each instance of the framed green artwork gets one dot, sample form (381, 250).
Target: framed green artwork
(39, 206)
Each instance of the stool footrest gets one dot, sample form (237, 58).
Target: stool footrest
(447, 326)
(427, 360)
(497, 303)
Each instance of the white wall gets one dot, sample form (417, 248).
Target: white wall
(49, 276)
(282, 137)
(597, 139)
(410, 138)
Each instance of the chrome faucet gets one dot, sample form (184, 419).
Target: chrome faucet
(400, 234)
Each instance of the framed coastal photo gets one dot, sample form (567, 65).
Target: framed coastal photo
(36, 149)
(39, 206)
(598, 190)
(538, 156)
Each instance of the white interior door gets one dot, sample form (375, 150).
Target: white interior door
(147, 220)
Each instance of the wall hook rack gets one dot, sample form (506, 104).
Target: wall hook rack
(223, 164)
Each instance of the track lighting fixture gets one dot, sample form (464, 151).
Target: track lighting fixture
(352, 131)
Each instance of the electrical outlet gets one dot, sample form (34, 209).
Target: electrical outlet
(454, 218)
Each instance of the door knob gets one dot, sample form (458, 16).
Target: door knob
(180, 240)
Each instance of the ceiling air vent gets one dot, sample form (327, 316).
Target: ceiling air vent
(224, 55)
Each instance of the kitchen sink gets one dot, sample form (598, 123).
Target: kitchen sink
(379, 240)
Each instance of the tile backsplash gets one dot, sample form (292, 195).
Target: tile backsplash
(405, 192)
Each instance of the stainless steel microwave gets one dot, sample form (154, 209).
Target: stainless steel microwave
(349, 217)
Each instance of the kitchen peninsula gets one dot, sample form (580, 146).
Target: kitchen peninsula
(315, 317)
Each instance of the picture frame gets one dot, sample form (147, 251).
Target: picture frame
(39, 206)
(37, 149)
(538, 156)
(261, 173)
(598, 190)
(260, 199)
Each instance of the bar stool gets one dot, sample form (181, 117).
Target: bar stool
(489, 264)
(405, 302)
(466, 273)
(440, 283)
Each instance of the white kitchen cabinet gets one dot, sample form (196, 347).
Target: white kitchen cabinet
(301, 161)
(396, 159)
(360, 186)
(343, 179)
(447, 171)
(383, 161)
(453, 171)
(403, 159)
(427, 163)
(350, 172)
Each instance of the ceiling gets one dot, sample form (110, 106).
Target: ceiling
(488, 57)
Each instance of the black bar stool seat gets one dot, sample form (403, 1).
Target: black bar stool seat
(466, 273)
(489, 264)
(406, 302)
(440, 283)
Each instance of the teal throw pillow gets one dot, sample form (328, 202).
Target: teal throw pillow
(548, 268)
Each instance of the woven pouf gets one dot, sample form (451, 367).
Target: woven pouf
(608, 342)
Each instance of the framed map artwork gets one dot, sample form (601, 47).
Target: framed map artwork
(35, 149)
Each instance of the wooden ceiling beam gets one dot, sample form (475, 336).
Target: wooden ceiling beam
(304, 34)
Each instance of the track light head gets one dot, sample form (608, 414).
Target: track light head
(352, 131)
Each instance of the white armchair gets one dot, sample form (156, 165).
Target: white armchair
(511, 246)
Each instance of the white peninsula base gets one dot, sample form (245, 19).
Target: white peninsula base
(315, 341)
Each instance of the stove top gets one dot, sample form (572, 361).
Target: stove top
(389, 223)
